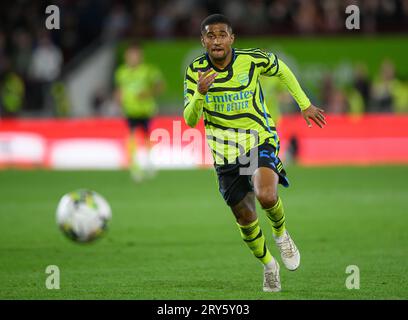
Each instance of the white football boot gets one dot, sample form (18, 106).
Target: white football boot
(289, 252)
(272, 279)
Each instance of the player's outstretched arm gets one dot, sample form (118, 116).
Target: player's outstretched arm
(193, 110)
(309, 111)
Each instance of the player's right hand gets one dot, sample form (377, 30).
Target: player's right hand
(205, 80)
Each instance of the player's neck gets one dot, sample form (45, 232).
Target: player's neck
(221, 64)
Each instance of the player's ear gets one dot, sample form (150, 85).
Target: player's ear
(232, 38)
(202, 41)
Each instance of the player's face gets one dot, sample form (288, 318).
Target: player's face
(133, 57)
(217, 39)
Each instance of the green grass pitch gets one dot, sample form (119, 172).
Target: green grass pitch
(174, 238)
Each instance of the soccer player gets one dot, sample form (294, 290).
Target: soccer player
(223, 86)
(138, 84)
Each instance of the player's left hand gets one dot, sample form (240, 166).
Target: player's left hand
(315, 114)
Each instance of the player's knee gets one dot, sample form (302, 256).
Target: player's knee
(267, 198)
(246, 219)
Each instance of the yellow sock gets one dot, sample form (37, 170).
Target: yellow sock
(253, 237)
(276, 216)
(132, 147)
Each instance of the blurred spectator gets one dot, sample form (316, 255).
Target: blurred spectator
(404, 14)
(91, 16)
(327, 88)
(22, 51)
(333, 18)
(11, 91)
(45, 67)
(236, 13)
(355, 101)
(60, 99)
(163, 22)
(333, 99)
(338, 103)
(105, 104)
(370, 11)
(143, 15)
(280, 15)
(198, 15)
(3, 53)
(362, 84)
(117, 22)
(255, 16)
(388, 91)
(68, 40)
(46, 61)
(382, 90)
(306, 20)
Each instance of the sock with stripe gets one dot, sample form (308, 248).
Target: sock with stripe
(134, 166)
(276, 217)
(256, 242)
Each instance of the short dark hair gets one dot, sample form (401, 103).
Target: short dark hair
(134, 45)
(214, 19)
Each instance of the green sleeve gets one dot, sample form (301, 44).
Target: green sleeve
(194, 109)
(288, 78)
(193, 100)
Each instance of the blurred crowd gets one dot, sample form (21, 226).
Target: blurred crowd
(162, 19)
(33, 59)
(381, 93)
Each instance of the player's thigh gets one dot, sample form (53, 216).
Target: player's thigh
(245, 210)
(265, 181)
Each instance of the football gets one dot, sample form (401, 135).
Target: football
(83, 215)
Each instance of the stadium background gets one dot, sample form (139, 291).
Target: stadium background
(347, 204)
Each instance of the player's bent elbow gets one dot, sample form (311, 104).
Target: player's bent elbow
(190, 123)
(189, 120)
